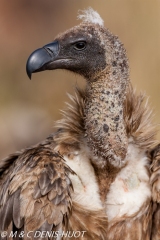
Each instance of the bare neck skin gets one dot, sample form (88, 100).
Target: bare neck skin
(104, 120)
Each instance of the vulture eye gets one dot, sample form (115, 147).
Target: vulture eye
(80, 46)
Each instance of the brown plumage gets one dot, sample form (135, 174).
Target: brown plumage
(97, 176)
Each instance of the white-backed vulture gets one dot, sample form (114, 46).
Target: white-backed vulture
(97, 176)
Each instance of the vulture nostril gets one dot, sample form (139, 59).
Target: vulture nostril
(52, 49)
(49, 51)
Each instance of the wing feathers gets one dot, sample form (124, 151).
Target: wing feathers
(36, 194)
(44, 180)
(6, 214)
(155, 176)
(51, 195)
(18, 220)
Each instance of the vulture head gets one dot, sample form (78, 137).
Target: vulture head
(92, 51)
(87, 49)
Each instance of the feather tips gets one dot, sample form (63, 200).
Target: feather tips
(90, 16)
(138, 120)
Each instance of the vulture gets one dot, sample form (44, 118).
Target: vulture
(97, 177)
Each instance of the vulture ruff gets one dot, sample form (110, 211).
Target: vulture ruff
(98, 174)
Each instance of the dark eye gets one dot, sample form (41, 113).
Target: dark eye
(80, 45)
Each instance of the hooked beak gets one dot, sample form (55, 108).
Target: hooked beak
(40, 59)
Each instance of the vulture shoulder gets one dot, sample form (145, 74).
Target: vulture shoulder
(155, 183)
(35, 189)
(155, 176)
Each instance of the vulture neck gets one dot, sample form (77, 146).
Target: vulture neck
(104, 120)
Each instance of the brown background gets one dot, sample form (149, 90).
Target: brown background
(28, 109)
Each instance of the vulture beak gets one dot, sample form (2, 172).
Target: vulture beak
(39, 60)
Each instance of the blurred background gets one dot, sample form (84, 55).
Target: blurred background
(28, 109)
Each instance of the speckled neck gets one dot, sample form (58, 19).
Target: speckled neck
(104, 120)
